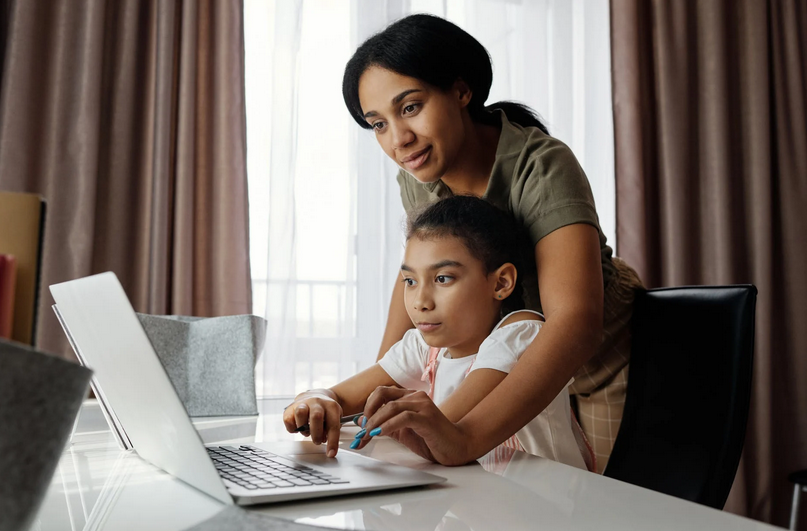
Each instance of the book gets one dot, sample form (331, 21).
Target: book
(8, 281)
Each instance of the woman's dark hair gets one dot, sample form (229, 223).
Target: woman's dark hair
(490, 234)
(438, 52)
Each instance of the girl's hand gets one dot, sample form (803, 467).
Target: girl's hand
(320, 410)
(411, 418)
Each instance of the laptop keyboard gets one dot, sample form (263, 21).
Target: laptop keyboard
(253, 469)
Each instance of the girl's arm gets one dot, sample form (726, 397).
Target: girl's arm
(353, 392)
(571, 287)
(322, 408)
(398, 322)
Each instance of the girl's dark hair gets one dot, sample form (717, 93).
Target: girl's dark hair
(438, 52)
(491, 235)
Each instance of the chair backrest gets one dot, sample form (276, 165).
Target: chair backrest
(689, 386)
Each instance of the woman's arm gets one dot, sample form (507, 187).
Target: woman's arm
(479, 383)
(470, 392)
(398, 321)
(571, 287)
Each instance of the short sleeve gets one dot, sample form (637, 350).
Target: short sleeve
(407, 197)
(551, 190)
(406, 360)
(502, 348)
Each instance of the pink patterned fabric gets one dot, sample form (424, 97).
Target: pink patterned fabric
(429, 375)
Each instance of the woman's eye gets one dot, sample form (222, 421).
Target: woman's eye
(378, 126)
(409, 109)
(409, 281)
(443, 279)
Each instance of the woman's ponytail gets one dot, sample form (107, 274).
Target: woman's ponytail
(518, 113)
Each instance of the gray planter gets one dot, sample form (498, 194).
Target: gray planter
(210, 361)
(40, 396)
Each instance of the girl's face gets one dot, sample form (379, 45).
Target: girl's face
(447, 294)
(418, 126)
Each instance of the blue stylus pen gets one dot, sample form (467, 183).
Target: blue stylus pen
(343, 420)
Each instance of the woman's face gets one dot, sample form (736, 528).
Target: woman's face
(419, 126)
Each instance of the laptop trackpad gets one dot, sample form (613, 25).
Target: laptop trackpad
(292, 447)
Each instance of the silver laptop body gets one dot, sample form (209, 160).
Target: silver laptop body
(112, 342)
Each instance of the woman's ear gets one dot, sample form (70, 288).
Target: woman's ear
(463, 92)
(505, 278)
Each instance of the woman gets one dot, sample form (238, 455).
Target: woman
(421, 85)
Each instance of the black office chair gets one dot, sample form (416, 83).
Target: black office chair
(799, 480)
(689, 386)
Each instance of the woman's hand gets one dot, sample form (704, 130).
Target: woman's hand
(322, 412)
(411, 418)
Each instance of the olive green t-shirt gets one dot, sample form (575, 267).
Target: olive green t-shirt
(538, 180)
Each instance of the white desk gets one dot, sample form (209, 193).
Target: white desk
(98, 486)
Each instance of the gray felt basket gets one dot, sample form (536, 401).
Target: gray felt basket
(40, 396)
(210, 361)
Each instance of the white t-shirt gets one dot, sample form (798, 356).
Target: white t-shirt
(548, 435)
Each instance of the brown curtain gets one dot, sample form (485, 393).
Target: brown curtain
(711, 169)
(128, 117)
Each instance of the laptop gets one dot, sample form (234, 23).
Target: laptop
(105, 329)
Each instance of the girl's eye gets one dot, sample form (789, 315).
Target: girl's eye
(378, 126)
(443, 279)
(409, 281)
(411, 108)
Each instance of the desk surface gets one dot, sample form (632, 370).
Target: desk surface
(98, 486)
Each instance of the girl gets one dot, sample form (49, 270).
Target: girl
(462, 293)
(420, 86)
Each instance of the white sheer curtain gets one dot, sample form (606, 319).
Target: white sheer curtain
(326, 219)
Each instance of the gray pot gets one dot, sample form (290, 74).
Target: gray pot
(210, 361)
(40, 396)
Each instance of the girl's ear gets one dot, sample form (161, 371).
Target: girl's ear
(505, 283)
(463, 91)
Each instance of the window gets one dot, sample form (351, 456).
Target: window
(325, 214)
